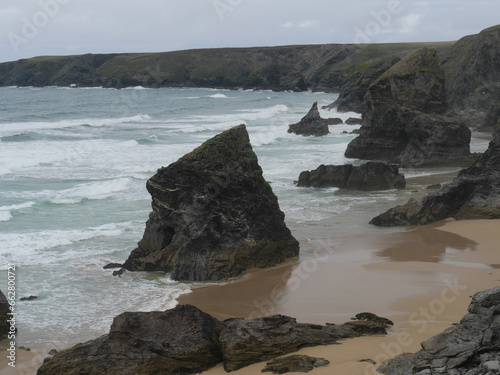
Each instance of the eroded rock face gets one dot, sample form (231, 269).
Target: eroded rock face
(470, 347)
(179, 341)
(214, 216)
(186, 341)
(408, 119)
(370, 176)
(352, 93)
(295, 363)
(473, 194)
(313, 124)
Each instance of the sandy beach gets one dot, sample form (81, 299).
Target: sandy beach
(422, 279)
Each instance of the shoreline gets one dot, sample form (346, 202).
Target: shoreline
(459, 261)
(421, 278)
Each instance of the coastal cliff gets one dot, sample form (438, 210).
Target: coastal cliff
(323, 67)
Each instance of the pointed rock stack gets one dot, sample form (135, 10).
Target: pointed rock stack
(214, 216)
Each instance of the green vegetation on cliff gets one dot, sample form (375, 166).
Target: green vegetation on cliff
(322, 67)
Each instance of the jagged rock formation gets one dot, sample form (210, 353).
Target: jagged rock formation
(4, 310)
(470, 347)
(492, 118)
(179, 341)
(294, 363)
(472, 68)
(367, 177)
(185, 340)
(214, 216)
(408, 119)
(313, 124)
(352, 93)
(473, 194)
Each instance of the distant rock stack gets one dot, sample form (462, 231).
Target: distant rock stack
(214, 216)
(370, 176)
(313, 124)
(408, 119)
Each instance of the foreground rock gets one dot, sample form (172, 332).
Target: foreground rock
(470, 347)
(214, 216)
(295, 363)
(370, 176)
(313, 124)
(473, 194)
(408, 119)
(179, 341)
(4, 310)
(185, 340)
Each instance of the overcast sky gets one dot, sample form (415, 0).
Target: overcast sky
(62, 27)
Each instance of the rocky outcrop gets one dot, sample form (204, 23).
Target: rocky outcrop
(470, 347)
(179, 341)
(185, 340)
(472, 68)
(473, 194)
(214, 216)
(492, 118)
(367, 177)
(352, 93)
(4, 310)
(408, 119)
(295, 363)
(313, 124)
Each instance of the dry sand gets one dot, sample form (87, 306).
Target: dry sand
(421, 279)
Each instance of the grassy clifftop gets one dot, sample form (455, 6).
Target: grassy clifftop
(323, 67)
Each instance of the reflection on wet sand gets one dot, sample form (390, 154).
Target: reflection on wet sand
(424, 245)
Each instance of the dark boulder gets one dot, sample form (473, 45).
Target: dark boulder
(313, 124)
(294, 363)
(186, 341)
(4, 310)
(370, 176)
(470, 347)
(214, 216)
(354, 121)
(183, 340)
(408, 119)
(473, 194)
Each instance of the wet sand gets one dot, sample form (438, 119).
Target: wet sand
(422, 279)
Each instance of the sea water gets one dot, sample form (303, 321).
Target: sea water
(73, 167)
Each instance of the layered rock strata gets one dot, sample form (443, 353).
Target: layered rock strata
(370, 176)
(408, 119)
(185, 340)
(214, 216)
(470, 347)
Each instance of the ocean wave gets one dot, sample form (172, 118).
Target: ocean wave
(218, 96)
(27, 246)
(19, 128)
(6, 211)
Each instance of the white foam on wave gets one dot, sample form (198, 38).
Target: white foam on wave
(218, 96)
(11, 129)
(6, 211)
(26, 247)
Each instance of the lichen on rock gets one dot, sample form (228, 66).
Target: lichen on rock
(214, 216)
